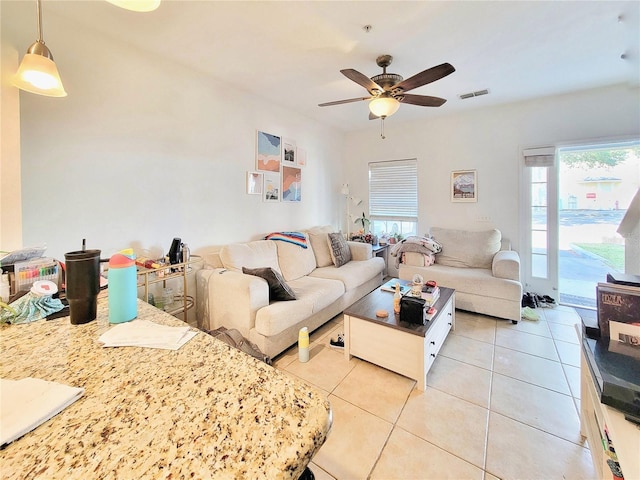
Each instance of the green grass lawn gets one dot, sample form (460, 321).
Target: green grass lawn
(612, 254)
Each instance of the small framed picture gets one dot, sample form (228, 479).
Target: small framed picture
(301, 156)
(288, 152)
(254, 183)
(271, 189)
(464, 186)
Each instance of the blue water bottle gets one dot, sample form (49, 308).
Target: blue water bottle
(123, 288)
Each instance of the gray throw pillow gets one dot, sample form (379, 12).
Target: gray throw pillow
(278, 288)
(340, 252)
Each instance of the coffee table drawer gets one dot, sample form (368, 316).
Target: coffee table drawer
(392, 349)
(437, 335)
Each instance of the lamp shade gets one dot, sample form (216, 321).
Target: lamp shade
(384, 106)
(38, 73)
(136, 5)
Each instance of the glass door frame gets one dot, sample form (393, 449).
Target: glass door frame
(539, 258)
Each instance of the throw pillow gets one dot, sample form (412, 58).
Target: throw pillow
(278, 288)
(295, 262)
(320, 245)
(340, 252)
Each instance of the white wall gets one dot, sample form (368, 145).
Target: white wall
(10, 186)
(143, 150)
(488, 140)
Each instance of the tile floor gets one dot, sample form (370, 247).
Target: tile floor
(502, 401)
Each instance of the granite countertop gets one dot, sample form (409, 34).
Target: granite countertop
(203, 411)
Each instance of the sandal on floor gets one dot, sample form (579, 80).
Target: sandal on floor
(530, 314)
(549, 301)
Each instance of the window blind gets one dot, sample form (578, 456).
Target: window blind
(539, 157)
(393, 190)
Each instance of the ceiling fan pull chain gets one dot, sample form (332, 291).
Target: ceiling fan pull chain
(382, 128)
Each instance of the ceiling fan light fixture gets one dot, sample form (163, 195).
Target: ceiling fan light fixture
(37, 72)
(384, 106)
(136, 5)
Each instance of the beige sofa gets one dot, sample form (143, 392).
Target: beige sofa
(227, 297)
(481, 267)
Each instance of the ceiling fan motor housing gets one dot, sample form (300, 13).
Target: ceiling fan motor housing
(386, 81)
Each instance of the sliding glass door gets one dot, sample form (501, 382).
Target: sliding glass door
(575, 198)
(596, 186)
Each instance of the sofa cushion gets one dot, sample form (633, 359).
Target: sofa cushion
(278, 288)
(354, 273)
(318, 236)
(360, 251)
(463, 248)
(340, 252)
(295, 261)
(314, 294)
(476, 281)
(257, 254)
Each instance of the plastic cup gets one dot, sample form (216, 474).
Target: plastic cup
(82, 284)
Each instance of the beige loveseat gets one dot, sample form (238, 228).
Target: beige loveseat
(481, 267)
(229, 298)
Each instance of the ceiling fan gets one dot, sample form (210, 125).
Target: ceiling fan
(388, 90)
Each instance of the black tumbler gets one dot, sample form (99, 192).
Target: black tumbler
(82, 284)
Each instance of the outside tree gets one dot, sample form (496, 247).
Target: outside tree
(598, 158)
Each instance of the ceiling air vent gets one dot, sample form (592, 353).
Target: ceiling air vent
(479, 93)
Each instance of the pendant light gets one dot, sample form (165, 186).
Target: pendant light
(38, 72)
(136, 5)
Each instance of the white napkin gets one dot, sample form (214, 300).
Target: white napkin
(28, 403)
(143, 333)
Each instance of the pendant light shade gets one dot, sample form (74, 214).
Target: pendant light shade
(38, 72)
(384, 106)
(136, 5)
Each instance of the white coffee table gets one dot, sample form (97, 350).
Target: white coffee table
(401, 347)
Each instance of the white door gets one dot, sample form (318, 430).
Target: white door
(539, 215)
(540, 218)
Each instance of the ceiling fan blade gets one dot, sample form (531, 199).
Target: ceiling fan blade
(430, 75)
(422, 100)
(372, 116)
(340, 102)
(361, 79)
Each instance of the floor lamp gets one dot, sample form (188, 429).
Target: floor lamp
(356, 201)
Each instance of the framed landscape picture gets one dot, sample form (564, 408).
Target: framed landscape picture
(464, 186)
(291, 184)
(268, 152)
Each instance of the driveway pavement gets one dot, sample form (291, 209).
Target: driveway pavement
(580, 271)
